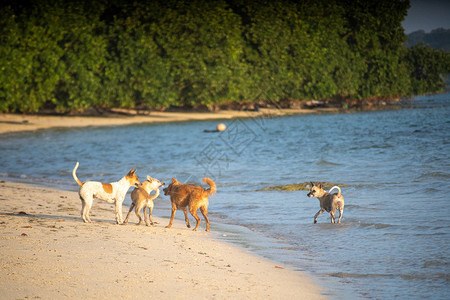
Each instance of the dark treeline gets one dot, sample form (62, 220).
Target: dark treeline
(437, 39)
(71, 55)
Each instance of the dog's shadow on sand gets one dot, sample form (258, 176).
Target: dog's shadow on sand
(59, 218)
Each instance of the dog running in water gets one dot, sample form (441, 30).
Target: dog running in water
(190, 196)
(109, 192)
(328, 202)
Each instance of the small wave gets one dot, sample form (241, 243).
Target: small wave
(62, 184)
(414, 276)
(430, 234)
(323, 162)
(355, 275)
(434, 175)
(432, 263)
(375, 225)
(417, 276)
(369, 186)
(353, 206)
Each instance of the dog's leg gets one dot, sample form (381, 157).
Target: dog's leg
(341, 210)
(186, 219)
(333, 216)
(138, 214)
(318, 213)
(196, 217)
(129, 212)
(119, 216)
(174, 209)
(138, 209)
(204, 211)
(147, 221)
(83, 205)
(86, 204)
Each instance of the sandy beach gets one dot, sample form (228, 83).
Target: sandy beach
(47, 252)
(18, 122)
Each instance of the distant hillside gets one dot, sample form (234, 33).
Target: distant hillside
(437, 39)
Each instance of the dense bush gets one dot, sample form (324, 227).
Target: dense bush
(71, 55)
(427, 66)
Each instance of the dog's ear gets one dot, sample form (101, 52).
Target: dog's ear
(320, 185)
(149, 178)
(311, 184)
(174, 180)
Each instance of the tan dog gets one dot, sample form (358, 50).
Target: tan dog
(328, 202)
(109, 192)
(190, 196)
(141, 199)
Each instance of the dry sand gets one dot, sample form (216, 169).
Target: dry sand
(47, 252)
(17, 122)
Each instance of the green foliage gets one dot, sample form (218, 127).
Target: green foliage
(203, 49)
(375, 33)
(50, 56)
(426, 66)
(82, 61)
(68, 55)
(136, 73)
(29, 56)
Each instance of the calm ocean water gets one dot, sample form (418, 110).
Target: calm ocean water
(395, 234)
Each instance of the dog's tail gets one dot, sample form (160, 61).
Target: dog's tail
(212, 186)
(75, 175)
(336, 187)
(150, 197)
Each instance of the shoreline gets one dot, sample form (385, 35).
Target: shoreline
(20, 123)
(47, 252)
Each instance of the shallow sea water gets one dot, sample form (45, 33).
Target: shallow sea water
(395, 233)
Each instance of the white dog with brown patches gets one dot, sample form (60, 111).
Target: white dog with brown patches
(109, 192)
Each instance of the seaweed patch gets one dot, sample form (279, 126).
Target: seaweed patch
(305, 186)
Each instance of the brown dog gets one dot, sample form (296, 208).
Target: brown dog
(190, 196)
(328, 202)
(141, 199)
